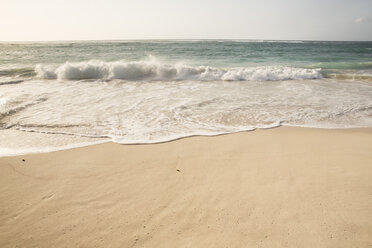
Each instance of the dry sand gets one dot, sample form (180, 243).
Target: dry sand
(284, 187)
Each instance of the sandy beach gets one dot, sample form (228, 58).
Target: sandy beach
(282, 187)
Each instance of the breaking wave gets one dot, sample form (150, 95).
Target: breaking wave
(153, 70)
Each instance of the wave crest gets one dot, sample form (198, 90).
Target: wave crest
(152, 70)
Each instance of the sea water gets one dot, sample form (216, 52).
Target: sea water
(56, 95)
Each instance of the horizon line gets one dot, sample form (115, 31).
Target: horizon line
(179, 39)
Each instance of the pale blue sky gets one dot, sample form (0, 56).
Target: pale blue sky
(185, 19)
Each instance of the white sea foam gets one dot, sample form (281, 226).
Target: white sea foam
(58, 114)
(7, 152)
(151, 70)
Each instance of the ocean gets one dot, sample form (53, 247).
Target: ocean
(58, 95)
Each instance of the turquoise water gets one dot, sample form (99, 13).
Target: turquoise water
(305, 54)
(65, 94)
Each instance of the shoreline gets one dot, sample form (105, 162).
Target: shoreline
(30, 151)
(279, 187)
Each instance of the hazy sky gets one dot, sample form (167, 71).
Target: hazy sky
(185, 19)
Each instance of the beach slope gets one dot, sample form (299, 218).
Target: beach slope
(283, 187)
